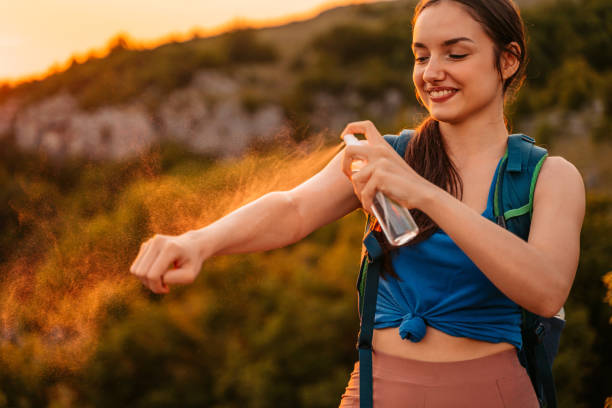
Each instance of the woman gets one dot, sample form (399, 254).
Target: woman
(469, 55)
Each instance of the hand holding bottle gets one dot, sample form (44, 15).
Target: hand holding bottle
(395, 220)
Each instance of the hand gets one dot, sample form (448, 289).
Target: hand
(165, 259)
(385, 171)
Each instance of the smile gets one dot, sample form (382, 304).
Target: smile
(438, 94)
(442, 94)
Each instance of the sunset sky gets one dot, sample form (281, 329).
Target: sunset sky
(36, 34)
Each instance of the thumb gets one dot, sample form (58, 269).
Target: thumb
(182, 276)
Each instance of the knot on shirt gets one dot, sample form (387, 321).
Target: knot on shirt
(412, 327)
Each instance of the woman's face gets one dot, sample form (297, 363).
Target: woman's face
(454, 72)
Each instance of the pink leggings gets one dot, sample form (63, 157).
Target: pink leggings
(495, 381)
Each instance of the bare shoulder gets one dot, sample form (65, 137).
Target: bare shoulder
(558, 173)
(560, 183)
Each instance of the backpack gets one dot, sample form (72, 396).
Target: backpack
(512, 208)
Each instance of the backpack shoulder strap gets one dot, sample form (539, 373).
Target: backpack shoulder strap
(367, 287)
(371, 248)
(513, 208)
(518, 174)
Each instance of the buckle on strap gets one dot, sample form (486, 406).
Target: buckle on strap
(535, 335)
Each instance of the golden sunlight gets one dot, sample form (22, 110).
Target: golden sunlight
(39, 38)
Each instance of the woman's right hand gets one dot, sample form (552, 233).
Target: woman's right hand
(165, 260)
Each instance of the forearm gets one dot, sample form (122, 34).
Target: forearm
(520, 270)
(270, 222)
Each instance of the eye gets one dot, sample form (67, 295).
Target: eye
(420, 59)
(457, 56)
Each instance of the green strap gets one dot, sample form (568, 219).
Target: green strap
(518, 211)
(527, 208)
(534, 179)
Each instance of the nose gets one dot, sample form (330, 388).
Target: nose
(433, 71)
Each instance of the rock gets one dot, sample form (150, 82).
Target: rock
(207, 116)
(58, 127)
(111, 133)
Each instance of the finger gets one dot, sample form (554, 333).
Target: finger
(369, 190)
(359, 127)
(353, 153)
(360, 178)
(366, 128)
(180, 276)
(346, 164)
(163, 263)
(175, 265)
(149, 257)
(139, 269)
(139, 257)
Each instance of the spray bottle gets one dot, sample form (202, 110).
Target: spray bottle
(395, 220)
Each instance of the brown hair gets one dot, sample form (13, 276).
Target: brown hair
(426, 152)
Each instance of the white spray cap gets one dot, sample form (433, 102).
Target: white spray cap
(350, 139)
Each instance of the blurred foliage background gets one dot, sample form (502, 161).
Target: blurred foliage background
(276, 328)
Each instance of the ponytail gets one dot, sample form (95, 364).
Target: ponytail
(426, 154)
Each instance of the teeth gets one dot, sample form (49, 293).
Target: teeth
(438, 94)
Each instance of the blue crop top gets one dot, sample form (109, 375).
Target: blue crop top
(441, 287)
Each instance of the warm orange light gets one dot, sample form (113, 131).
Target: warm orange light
(57, 41)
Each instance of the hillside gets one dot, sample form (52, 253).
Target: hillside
(224, 94)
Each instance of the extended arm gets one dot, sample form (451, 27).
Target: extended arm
(275, 220)
(282, 218)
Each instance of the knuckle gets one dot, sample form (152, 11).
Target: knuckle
(171, 246)
(158, 239)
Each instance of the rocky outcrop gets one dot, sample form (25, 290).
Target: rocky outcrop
(58, 127)
(207, 116)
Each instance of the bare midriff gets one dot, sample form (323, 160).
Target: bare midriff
(435, 346)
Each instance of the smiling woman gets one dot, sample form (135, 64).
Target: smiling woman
(442, 325)
(469, 60)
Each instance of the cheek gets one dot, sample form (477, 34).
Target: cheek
(487, 73)
(416, 77)
(417, 80)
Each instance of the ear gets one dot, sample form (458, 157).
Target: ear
(509, 62)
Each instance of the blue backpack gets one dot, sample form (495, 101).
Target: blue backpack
(513, 207)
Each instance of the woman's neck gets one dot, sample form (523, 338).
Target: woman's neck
(471, 141)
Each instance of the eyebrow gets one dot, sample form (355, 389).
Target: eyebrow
(445, 43)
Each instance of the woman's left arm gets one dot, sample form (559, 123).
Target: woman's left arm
(537, 274)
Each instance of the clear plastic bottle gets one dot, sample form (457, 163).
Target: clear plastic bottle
(395, 220)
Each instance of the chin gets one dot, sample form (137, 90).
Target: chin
(447, 117)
